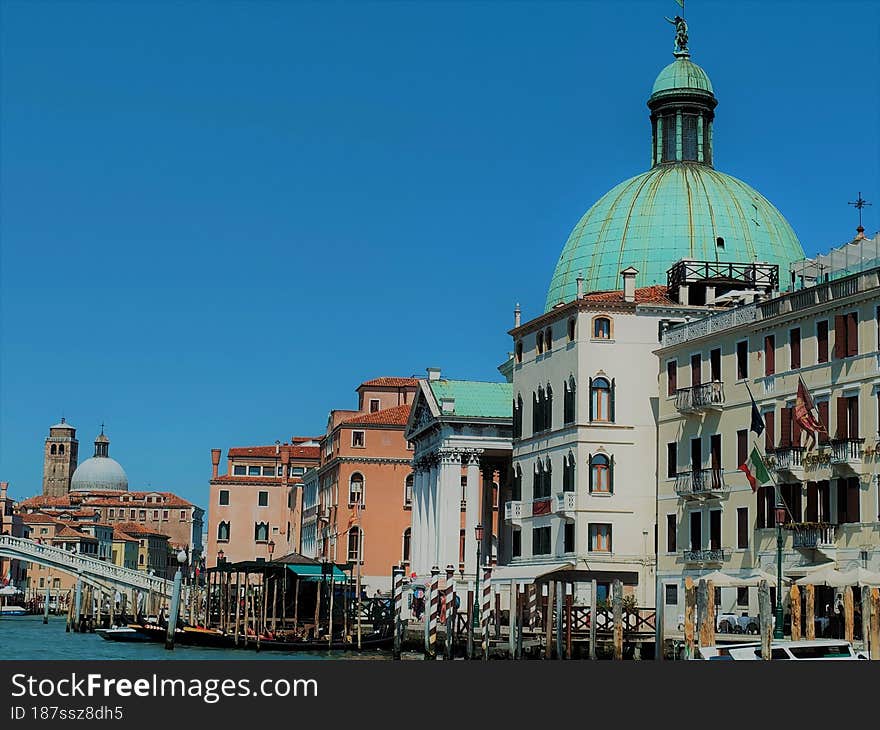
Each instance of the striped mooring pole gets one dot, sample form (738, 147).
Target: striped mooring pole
(450, 612)
(484, 610)
(533, 605)
(433, 615)
(397, 587)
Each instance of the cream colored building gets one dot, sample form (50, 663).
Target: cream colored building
(709, 517)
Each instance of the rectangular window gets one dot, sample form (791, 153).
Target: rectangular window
(715, 452)
(742, 596)
(298, 471)
(357, 439)
(254, 471)
(541, 540)
(715, 365)
(671, 460)
(271, 471)
(742, 527)
(516, 544)
(374, 405)
(822, 407)
(847, 417)
(262, 499)
(142, 515)
(670, 591)
(696, 454)
(769, 355)
(239, 470)
(112, 512)
(568, 542)
(669, 138)
(696, 530)
(600, 538)
(742, 446)
(696, 370)
(131, 514)
(742, 360)
(164, 514)
(846, 335)
(822, 341)
(689, 137)
(671, 542)
(715, 529)
(794, 346)
(770, 430)
(224, 497)
(671, 377)
(848, 493)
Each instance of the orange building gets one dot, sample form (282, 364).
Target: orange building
(254, 509)
(366, 462)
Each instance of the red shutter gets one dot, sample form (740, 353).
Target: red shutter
(842, 419)
(823, 419)
(795, 343)
(812, 502)
(672, 377)
(785, 428)
(770, 432)
(696, 370)
(761, 518)
(769, 355)
(853, 421)
(742, 447)
(852, 334)
(839, 337)
(795, 430)
(822, 341)
(852, 500)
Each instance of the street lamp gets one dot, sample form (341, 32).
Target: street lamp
(271, 548)
(221, 556)
(780, 520)
(478, 531)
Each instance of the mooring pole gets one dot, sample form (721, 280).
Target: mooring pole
(175, 602)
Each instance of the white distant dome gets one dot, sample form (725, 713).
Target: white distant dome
(99, 473)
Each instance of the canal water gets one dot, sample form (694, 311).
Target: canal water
(25, 637)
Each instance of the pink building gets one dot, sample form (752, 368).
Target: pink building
(11, 571)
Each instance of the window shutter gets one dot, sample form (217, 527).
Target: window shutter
(853, 425)
(795, 349)
(761, 517)
(852, 334)
(591, 399)
(823, 419)
(613, 392)
(842, 418)
(795, 430)
(839, 336)
(590, 469)
(770, 432)
(769, 355)
(852, 500)
(841, 501)
(611, 475)
(822, 338)
(812, 502)
(785, 428)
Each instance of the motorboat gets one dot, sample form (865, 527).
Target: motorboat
(782, 649)
(6, 611)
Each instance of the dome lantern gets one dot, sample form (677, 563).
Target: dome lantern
(100, 473)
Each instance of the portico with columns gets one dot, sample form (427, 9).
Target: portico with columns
(461, 436)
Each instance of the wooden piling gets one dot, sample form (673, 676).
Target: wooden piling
(274, 602)
(795, 598)
(594, 607)
(690, 604)
(100, 595)
(617, 611)
(875, 624)
(703, 613)
(810, 617)
(237, 605)
(513, 598)
(296, 604)
(560, 615)
(710, 613)
(317, 607)
(548, 621)
(765, 616)
(848, 613)
(569, 603)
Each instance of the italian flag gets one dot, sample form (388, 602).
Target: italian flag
(755, 470)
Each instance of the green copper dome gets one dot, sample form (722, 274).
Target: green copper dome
(680, 208)
(682, 73)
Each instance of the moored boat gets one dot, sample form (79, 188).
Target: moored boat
(814, 649)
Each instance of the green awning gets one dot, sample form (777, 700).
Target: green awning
(314, 572)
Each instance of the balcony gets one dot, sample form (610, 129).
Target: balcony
(847, 452)
(516, 511)
(700, 484)
(789, 459)
(565, 504)
(814, 535)
(700, 398)
(704, 556)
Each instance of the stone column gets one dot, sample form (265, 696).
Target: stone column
(450, 507)
(486, 510)
(700, 157)
(678, 134)
(415, 547)
(432, 514)
(472, 515)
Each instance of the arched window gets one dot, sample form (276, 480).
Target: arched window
(517, 417)
(519, 351)
(356, 488)
(601, 328)
(571, 329)
(601, 474)
(408, 490)
(538, 417)
(568, 406)
(60, 448)
(548, 339)
(355, 545)
(538, 481)
(602, 400)
(53, 449)
(548, 410)
(568, 483)
(539, 343)
(407, 533)
(261, 531)
(516, 490)
(223, 531)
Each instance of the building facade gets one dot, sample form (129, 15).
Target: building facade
(11, 571)
(257, 504)
(825, 335)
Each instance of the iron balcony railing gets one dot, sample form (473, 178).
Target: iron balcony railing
(846, 451)
(708, 396)
(789, 458)
(713, 555)
(815, 535)
(700, 483)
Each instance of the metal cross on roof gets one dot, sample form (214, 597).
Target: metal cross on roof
(858, 205)
(102, 429)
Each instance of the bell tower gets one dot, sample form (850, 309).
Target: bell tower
(59, 459)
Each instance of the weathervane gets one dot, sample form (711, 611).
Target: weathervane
(858, 205)
(681, 32)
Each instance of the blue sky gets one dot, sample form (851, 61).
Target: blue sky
(219, 217)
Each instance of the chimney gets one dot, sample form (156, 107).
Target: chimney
(285, 464)
(629, 283)
(433, 373)
(277, 447)
(4, 487)
(215, 462)
(447, 405)
(580, 281)
(517, 315)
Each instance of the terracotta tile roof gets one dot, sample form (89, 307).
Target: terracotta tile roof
(134, 529)
(70, 532)
(656, 294)
(296, 452)
(396, 416)
(111, 499)
(43, 501)
(124, 536)
(170, 500)
(391, 383)
(38, 518)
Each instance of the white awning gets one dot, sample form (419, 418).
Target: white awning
(526, 573)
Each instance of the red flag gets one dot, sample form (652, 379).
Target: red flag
(748, 472)
(804, 412)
